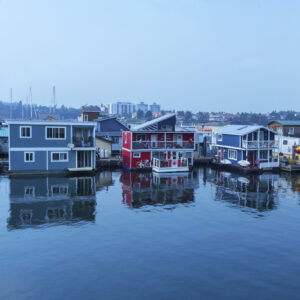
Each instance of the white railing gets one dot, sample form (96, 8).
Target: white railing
(259, 144)
(162, 145)
(163, 163)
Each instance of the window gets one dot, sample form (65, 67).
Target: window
(29, 191)
(59, 190)
(232, 154)
(25, 132)
(291, 130)
(115, 139)
(59, 156)
(285, 142)
(263, 154)
(174, 155)
(28, 156)
(141, 137)
(57, 133)
(166, 127)
(86, 117)
(220, 137)
(137, 154)
(125, 137)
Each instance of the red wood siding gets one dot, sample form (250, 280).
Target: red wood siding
(145, 156)
(126, 158)
(126, 142)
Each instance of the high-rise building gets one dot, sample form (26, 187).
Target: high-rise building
(121, 108)
(155, 107)
(142, 106)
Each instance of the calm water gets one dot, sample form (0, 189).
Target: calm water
(203, 235)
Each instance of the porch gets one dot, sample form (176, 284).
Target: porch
(170, 165)
(162, 145)
(83, 136)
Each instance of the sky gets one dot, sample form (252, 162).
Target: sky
(199, 55)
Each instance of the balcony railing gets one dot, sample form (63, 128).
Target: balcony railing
(83, 142)
(259, 144)
(163, 145)
(162, 163)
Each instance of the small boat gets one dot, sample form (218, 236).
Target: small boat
(225, 162)
(244, 163)
(244, 180)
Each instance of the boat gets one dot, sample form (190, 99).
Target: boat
(226, 162)
(244, 163)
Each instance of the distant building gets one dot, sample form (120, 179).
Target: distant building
(51, 146)
(89, 113)
(103, 146)
(110, 128)
(142, 106)
(286, 128)
(155, 108)
(121, 108)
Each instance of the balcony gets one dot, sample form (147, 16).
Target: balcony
(176, 165)
(83, 137)
(163, 145)
(259, 144)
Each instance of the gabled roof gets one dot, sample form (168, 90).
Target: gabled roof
(286, 122)
(102, 119)
(153, 122)
(239, 129)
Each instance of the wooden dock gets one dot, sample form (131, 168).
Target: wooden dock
(289, 168)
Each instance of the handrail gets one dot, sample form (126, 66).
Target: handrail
(163, 145)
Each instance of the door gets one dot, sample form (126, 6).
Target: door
(154, 141)
(179, 139)
(84, 159)
(174, 159)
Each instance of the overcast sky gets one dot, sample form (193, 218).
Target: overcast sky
(185, 54)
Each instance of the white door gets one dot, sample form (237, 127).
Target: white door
(174, 159)
(154, 141)
(179, 139)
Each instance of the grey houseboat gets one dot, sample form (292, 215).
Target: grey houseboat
(51, 146)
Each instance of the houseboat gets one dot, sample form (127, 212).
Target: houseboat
(51, 146)
(158, 145)
(247, 147)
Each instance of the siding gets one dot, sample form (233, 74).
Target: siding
(38, 137)
(110, 125)
(229, 140)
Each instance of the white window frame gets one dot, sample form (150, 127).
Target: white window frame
(125, 138)
(231, 157)
(219, 137)
(60, 160)
(25, 137)
(291, 130)
(32, 188)
(136, 155)
(61, 187)
(53, 127)
(33, 157)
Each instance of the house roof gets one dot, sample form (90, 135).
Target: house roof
(286, 122)
(103, 139)
(102, 119)
(50, 122)
(239, 129)
(3, 131)
(154, 121)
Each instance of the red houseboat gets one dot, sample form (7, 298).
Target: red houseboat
(158, 145)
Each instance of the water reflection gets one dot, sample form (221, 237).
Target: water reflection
(254, 192)
(51, 200)
(140, 189)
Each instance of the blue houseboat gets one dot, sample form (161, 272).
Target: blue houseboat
(247, 147)
(51, 146)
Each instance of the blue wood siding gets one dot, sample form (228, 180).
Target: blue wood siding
(229, 140)
(170, 121)
(38, 137)
(17, 161)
